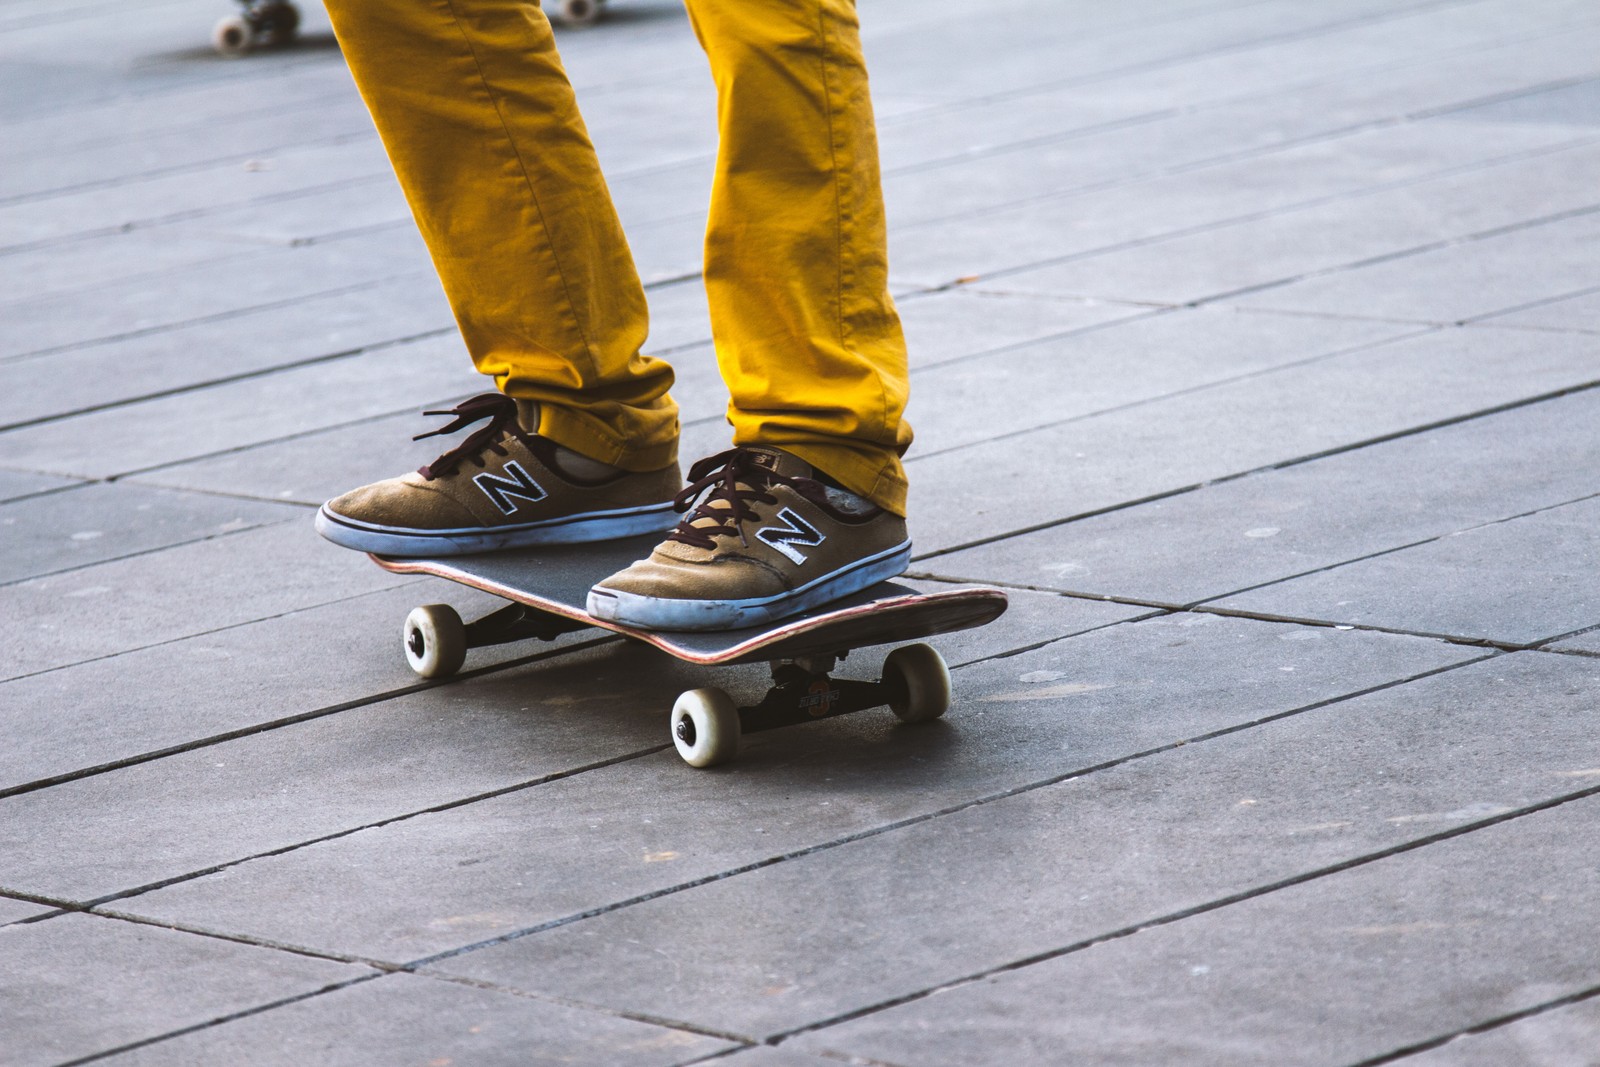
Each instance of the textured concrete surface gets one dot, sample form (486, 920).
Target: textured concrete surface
(1252, 348)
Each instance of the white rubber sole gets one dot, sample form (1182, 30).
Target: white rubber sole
(568, 530)
(657, 613)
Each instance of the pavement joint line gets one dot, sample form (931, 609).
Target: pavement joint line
(200, 633)
(1189, 390)
(98, 904)
(219, 1020)
(951, 809)
(1407, 253)
(1483, 320)
(214, 163)
(231, 379)
(1241, 155)
(201, 539)
(1267, 214)
(212, 740)
(1484, 1027)
(77, 482)
(220, 316)
(1438, 424)
(1169, 918)
(190, 214)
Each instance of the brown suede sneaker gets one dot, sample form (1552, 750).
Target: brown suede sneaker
(767, 540)
(503, 487)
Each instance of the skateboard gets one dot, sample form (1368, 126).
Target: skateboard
(547, 588)
(273, 22)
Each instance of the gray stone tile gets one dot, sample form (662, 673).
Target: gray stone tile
(169, 429)
(121, 369)
(130, 827)
(768, 1056)
(969, 401)
(1127, 454)
(1269, 526)
(1030, 619)
(1555, 1038)
(1346, 967)
(1519, 581)
(275, 278)
(14, 485)
(13, 910)
(594, 840)
(405, 1019)
(1584, 642)
(63, 531)
(1573, 313)
(1463, 281)
(79, 984)
(134, 603)
(965, 322)
(1237, 249)
(1005, 880)
(79, 265)
(238, 678)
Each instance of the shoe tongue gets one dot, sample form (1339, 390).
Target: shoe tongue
(528, 416)
(781, 462)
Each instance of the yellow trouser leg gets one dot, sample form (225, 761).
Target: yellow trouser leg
(796, 269)
(480, 122)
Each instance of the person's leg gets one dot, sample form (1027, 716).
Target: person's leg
(796, 267)
(806, 334)
(480, 122)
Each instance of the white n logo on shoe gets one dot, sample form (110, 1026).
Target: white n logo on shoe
(796, 531)
(500, 490)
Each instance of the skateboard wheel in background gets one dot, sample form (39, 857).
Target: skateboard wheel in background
(233, 36)
(580, 11)
(705, 727)
(435, 640)
(919, 683)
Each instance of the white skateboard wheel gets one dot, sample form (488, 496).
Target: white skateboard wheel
(705, 727)
(580, 11)
(435, 640)
(233, 36)
(919, 681)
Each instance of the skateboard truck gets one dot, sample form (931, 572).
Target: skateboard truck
(706, 723)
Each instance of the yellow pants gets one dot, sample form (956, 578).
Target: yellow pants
(480, 121)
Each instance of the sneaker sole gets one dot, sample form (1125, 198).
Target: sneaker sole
(569, 530)
(656, 613)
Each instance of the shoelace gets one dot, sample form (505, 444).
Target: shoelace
(736, 481)
(499, 409)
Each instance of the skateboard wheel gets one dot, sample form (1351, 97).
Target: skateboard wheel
(233, 36)
(282, 23)
(435, 640)
(919, 683)
(580, 11)
(705, 727)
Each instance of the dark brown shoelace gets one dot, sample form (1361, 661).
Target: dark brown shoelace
(736, 479)
(499, 409)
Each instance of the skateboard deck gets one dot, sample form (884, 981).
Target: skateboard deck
(547, 588)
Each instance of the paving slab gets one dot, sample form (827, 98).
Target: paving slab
(15, 485)
(1257, 249)
(850, 928)
(1177, 442)
(1353, 965)
(79, 984)
(960, 323)
(239, 678)
(1584, 642)
(189, 811)
(1554, 1038)
(1460, 282)
(405, 1019)
(63, 531)
(126, 604)
(1138, 360)
(1529, 581)
(169, 429)
(79, 265)
(406, 890)
(122, 369)
(1580, 312)
(1270, 526)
